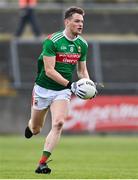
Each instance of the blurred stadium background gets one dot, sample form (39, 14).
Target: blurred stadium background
(111, 30)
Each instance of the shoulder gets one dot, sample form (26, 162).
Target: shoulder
(55, 36)
(83, 41)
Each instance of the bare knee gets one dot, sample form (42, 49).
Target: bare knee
(58, 124)
(36, 129)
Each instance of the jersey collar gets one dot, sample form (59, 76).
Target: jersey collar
(68, 37)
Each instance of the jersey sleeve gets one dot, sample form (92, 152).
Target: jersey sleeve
(84, 52)
(49, 48)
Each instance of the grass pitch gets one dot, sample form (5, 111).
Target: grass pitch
(75, 157)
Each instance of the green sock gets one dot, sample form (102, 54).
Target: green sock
(46, 153)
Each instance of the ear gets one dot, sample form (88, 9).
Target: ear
(66, 22)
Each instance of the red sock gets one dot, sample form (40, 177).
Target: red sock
(43, 159)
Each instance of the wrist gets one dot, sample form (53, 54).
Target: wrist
(69, 85)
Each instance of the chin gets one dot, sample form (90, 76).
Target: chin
(77, 33)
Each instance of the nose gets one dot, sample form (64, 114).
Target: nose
(81, 23)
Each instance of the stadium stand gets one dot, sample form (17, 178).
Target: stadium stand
(107, 29)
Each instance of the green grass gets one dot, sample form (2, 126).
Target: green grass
(76, 157)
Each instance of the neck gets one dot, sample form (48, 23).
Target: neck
(69, 34)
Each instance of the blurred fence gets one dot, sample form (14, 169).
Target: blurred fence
(113, 63)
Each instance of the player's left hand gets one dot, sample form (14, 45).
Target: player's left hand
(96, 92)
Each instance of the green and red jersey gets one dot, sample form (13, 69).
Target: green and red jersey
(67, 53)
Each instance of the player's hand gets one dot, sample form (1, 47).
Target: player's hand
(98, 85)
(77, 90)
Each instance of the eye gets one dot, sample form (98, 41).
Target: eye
(78, 21)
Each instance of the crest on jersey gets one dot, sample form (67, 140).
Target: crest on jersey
(79, 49)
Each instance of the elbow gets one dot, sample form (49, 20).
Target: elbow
(48, 72)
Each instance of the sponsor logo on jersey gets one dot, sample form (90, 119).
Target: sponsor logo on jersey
(63, 47)
(67, 58)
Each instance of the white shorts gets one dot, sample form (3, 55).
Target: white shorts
(42, 98)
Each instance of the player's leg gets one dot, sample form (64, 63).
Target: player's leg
(33, 22)
(22, 22)
(39, 110)
(59, 111)
(36, 122)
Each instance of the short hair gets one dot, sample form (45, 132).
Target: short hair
(72, 10)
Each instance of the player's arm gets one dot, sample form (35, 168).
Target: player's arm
(49, 59)
(49, 65)
(82, 71)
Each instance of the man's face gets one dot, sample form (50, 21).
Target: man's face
(75, 24)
